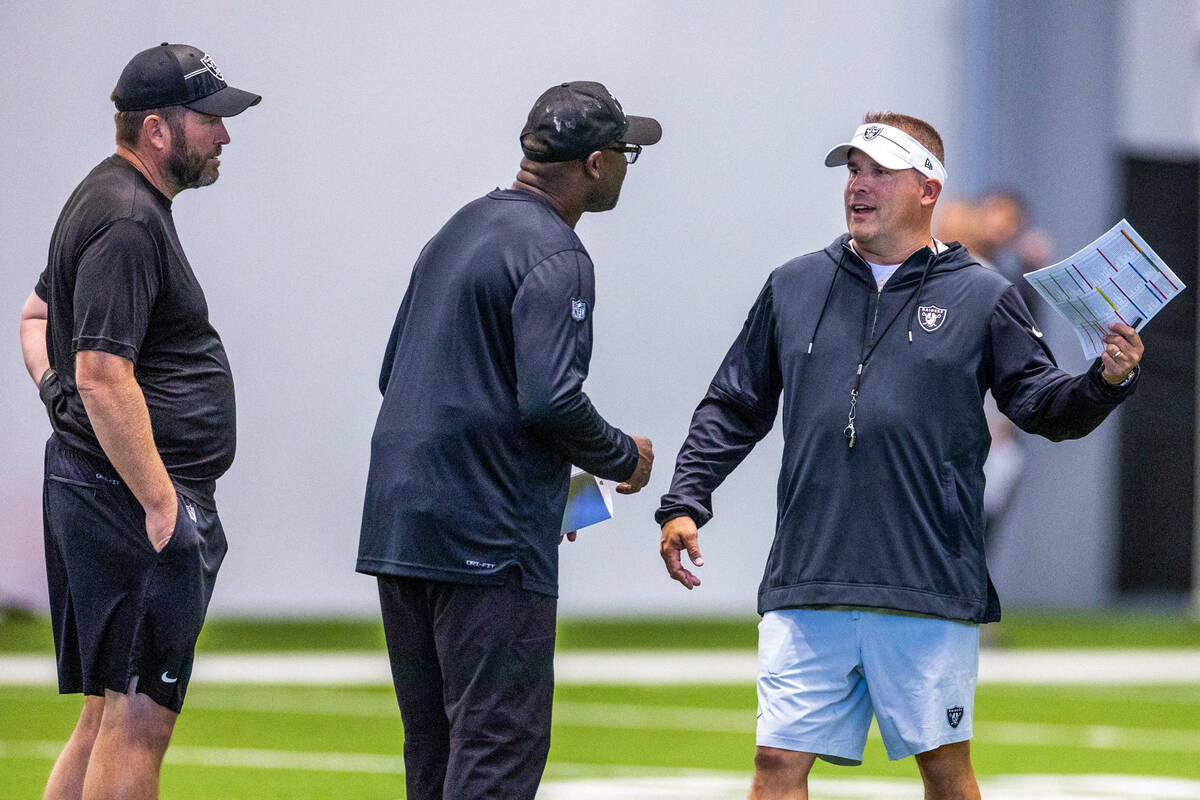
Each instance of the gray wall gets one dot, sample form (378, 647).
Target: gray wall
(379, 120)
(1041, 120)
(1059, 89)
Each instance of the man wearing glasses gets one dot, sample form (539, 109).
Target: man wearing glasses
(483, 415)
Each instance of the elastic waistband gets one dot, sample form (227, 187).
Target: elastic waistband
(202, 493)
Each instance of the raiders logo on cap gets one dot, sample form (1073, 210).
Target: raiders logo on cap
(211, 66)
(872, 132)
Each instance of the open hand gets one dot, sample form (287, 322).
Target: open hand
(681, 534)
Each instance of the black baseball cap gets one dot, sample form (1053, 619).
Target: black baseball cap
(178, 75)
(573, 119)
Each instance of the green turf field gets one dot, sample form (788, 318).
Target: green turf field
(31, 634)
(255, 743)
(260, 743)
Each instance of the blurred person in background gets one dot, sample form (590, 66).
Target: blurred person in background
(995, 229)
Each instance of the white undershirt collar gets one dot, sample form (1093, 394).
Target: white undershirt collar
(883, 272)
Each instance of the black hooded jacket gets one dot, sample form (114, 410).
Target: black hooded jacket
(896, 520)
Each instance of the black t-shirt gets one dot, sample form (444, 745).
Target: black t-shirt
(117, 280)
(483, 409)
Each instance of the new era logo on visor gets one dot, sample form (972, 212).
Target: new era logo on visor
(928, 164)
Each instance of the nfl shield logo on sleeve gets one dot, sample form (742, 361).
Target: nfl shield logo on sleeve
(579, 310)
(931, 317)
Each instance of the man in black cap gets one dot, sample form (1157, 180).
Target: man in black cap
(483, 415)
(139, 393)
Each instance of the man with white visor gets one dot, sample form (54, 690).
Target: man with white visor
(882, 346)
(890, 148)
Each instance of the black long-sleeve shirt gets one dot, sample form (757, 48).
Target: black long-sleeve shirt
(896, 521)
(483, 405)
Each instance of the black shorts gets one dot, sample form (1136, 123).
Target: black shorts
(474, 673)
(120, 609)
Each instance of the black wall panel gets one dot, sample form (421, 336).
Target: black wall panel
(1157, 450)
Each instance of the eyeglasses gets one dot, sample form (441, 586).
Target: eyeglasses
(630, 151)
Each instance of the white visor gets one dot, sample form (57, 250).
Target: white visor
(891, 148)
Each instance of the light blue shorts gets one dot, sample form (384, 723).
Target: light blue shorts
(822, 673)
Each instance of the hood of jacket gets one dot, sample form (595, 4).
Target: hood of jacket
(950, 257)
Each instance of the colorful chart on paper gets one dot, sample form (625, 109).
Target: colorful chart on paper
(1116, 278)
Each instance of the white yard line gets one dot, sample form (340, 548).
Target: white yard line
(625, 782)
(1019, 787)
(1034, 667)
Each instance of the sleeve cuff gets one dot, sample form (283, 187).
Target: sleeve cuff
(667, 513)
(106, 345)
(1114, 390)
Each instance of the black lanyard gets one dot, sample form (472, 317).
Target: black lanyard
(849, 432)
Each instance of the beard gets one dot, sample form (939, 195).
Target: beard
(189, 169)
(604, 202)
(605, 197)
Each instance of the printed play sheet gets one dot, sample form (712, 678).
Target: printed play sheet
(1117, 278)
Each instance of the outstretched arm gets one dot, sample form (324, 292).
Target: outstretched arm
(738, 410)
(552, 334)
(1041, 398)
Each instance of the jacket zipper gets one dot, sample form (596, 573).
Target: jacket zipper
(849, 431)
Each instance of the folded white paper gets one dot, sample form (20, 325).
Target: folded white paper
(589, 500)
